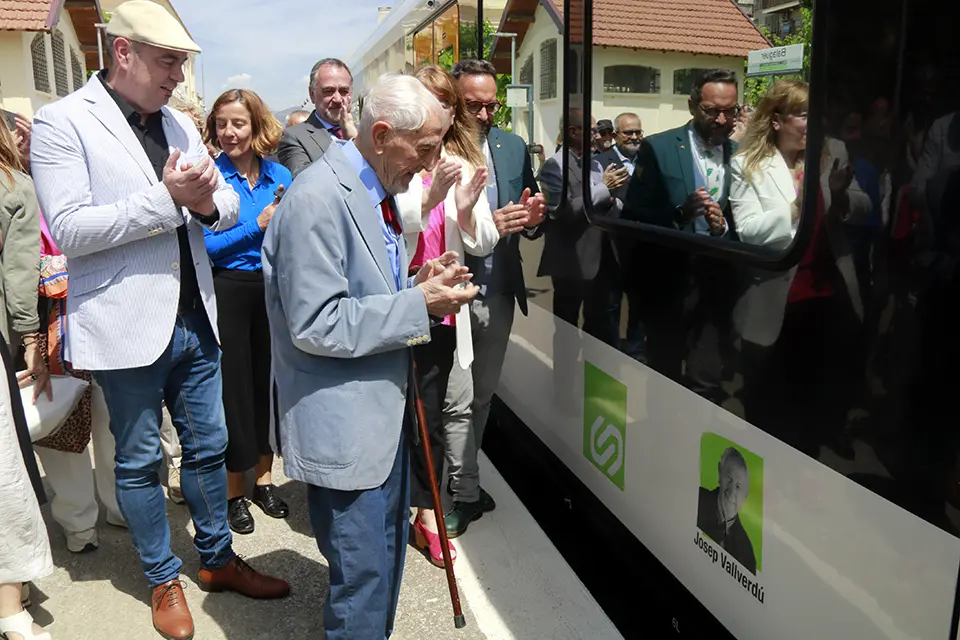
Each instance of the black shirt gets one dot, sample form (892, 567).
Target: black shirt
(154, 143)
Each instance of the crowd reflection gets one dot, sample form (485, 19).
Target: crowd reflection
(849, 354)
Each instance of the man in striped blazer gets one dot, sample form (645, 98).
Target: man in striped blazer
(126, 187)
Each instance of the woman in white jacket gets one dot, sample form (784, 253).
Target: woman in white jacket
(800, 327)
(445, 211)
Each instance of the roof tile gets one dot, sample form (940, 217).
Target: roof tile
(24, 15)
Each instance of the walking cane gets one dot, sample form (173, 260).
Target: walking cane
(458, 620)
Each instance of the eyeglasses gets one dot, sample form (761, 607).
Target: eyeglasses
(632, 133)
(714, 113)
(474, 107)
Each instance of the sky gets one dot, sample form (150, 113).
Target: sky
(269, 46)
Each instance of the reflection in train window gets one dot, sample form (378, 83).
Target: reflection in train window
(683, 80)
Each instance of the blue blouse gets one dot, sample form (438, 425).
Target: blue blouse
(239, 246)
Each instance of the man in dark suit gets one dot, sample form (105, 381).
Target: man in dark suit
(682, 182)
(573, 247)
(518, 209)
(628, 134)
(331, 91)
(718, 511)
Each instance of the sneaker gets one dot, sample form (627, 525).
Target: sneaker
(173, 486)
(82, 541)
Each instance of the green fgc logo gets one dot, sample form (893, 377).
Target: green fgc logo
(605, 423)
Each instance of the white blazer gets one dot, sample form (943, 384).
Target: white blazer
(761, 213)
(456, 239)
(117, 225)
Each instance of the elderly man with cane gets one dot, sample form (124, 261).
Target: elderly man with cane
(343, 318)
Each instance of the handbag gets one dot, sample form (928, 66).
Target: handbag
(47, 416)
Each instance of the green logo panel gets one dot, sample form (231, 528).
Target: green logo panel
(605, 423)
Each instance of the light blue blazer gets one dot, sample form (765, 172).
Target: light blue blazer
(340, 330)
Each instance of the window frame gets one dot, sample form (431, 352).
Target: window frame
(737, 252)
(40, 37)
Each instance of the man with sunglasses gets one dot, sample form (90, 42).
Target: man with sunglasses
(682, 182)
(518, 209)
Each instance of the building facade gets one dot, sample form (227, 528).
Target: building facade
(46, 48)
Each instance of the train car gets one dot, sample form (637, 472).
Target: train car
(747, 429)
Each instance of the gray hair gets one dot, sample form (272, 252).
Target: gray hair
(328, 62)
(400, 100)
(731, 454)
(625, 114)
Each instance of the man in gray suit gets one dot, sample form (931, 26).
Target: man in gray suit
(127, 186)
(331, 91)
(343, 318)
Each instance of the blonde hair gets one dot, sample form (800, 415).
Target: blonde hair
(9, 156)
(462, 136)
(267, 130)
(784, 98)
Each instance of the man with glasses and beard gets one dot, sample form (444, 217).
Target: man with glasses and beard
(518, 209)
(682, 182)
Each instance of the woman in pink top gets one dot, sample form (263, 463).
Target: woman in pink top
(444, 211)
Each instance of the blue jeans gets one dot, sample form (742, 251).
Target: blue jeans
(187, 377)
(363, 535)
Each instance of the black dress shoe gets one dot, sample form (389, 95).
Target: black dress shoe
(460, 517)
(238, 515)
(486, 501)
(265, 496)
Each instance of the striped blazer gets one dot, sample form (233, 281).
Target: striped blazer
(117, 225)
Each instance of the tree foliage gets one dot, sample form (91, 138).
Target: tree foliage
(755, 88)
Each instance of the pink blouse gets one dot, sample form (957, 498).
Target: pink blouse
(432, 242)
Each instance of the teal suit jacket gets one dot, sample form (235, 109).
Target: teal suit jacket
(514, 171)
(665, 176)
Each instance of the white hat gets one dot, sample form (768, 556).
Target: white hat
(149, 23)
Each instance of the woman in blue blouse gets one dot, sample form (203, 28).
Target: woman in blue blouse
(244, 129)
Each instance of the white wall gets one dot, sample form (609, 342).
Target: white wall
(658, 112)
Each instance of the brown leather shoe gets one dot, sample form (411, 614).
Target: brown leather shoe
(241, 577)
(171, 616)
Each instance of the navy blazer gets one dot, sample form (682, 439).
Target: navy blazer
(511, 163)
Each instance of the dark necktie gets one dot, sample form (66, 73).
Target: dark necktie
(389, 216)
(337, 131)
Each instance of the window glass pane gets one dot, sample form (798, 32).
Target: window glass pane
(631, 79)
(423, 46)
(446, 34)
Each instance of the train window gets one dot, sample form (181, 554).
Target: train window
(423, 46)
